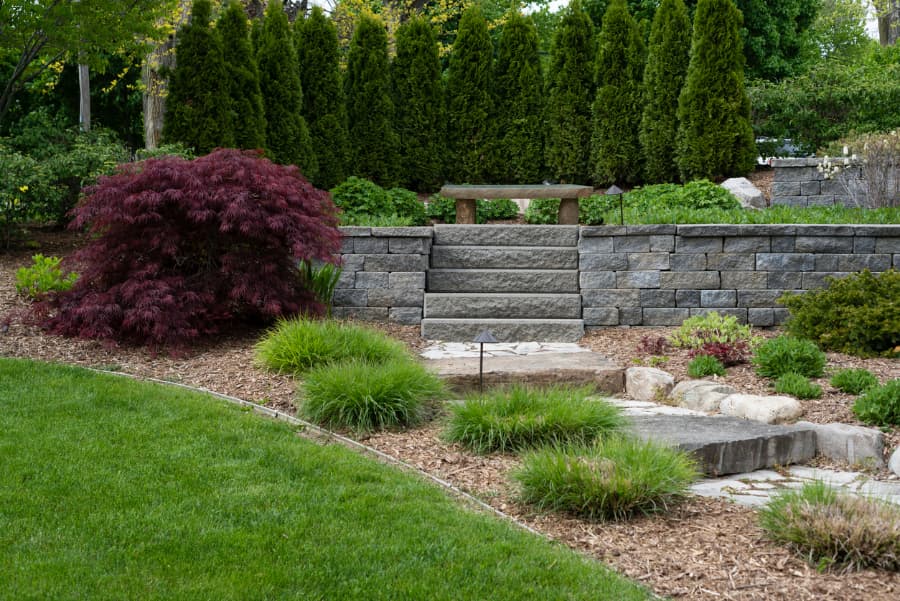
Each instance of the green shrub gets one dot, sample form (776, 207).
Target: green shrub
(43, 277)
(612, 479)
(858, 314)
(592, 209)
(177, 150)
(356, 196)
(519, 418)
(785, 354)
(441, 208)
(880, 405)
(376, 220)
(798, 386)
(705, 365)
(406, 204)
(853, 381)
(698, 330)
(365, 396)
(542, 211)
(246, 102)
(295, 345)
(831, 529)
(444, 209)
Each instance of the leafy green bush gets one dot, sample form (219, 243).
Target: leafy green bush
(786, 354)
(444, 209)
(295, 345)
(858, 314)
(853, 381)
(798, 386)
(698, 330)
(497, 208)
(705, 365)
(406, 205)
(612, 479)
(365, 396)
(520, 417)
(542, 211)
(177, 149)
(831, 529)
(45, 276)
(880, 405)
(592, 209)
(356, 196)
(376, 220)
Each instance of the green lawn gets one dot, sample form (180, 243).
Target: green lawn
(114, 489)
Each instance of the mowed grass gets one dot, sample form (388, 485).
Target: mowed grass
(115, 489)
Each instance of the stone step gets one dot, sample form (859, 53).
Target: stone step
(505, 235)
(503, 280)
(504, 330)
(504, 257)
(499, 305)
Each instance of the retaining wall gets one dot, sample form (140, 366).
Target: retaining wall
(799, 183)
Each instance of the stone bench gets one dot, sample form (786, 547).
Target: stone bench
(466, 196)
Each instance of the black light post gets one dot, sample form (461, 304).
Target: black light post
(485, 336)
(615, 190)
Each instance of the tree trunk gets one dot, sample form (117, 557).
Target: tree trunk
(155, 87)
(889, 22)
(84, 98)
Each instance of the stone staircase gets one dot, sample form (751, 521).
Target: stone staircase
(519, 282)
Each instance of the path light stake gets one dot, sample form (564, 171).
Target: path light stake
(615, 190)
(485, 336)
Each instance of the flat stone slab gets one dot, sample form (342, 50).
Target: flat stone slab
(728, 445)
(461, 373)
(505, 330)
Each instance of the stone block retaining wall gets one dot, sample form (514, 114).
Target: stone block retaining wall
(799, 183)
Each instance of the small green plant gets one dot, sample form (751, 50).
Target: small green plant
(519, 417)
(295, 345)
(797, 385)
(44, 277)
(320, 280)
(356, 196)
(376, 220)
(786, 354)
(406, 204)
(591, 210)
(853, 381)
(444, 209)
(657, 360)
(705, 365)
(880, 405)
(614, 478)
(542, 211)
(698, 330)
(828, 528)
(364, 396)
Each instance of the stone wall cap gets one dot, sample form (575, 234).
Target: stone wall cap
(527, 191)
(404, 232)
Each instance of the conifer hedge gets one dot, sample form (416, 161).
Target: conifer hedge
(247, 113)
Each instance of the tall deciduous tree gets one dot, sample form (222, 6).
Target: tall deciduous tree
(324, 107)
(715, 138)
(287, 137)
(369, 106)
(667, 63)
(419, 105)
(243, 79)
(198, 108)
(570, 93)
(470, 102)
(519, 92)
(615, 147)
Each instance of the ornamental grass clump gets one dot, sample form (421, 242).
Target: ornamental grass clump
(785, 354)
(613, 479)
(880, 405)
(363, 396)
(705, 365)
(296, 345)
(509, 420)
(853, 381)
(830, 529)
(798, 386)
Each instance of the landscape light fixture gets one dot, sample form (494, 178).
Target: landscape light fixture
(481, 339)
(615, 190)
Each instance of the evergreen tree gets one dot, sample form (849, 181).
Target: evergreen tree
(243, 79)
(198, 105)
(287, 136)
(519, 95)
(667, 63)
(470, 102)
(715, 138)
(419, 105)
(369, 106)
(324, 107)
(570, 92)
(615, 147)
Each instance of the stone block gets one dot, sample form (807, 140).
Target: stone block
(389, 262)
(588, 231)
(422, 231)
(816, 279)
(353, 262)
(731, 261)
(602, 262)
(347, 279)
(506, 235)
(355, 230)
(707, 230)
(872, 262)
(687, 261)
(395, 297)
(687, 298)
(637, 279)
(863, 244)
(822, 244)
(631, 244)
(700, 395)
(631, 316)
(611, 298)
(648, 383)
(502, 280)
(783, 244)
(780, 315)
(856, 445)
(825, 230)
(785, 280)
(698, 245)
(812, 188)
(601, 316)
(665, 316)
(662, 243)
(347, 247)
(739, 314)
(372, 279)
(761, 317)
(791, 188)
(767, 229)
(747, 244)
(595, 244)
(657, 229)
(597, 279)
(897, 262)
(409, 246)
(744, 279)
(646, 261)
(407, 316)
(758, 298)
(346, 297)
(822, 200)
(789, 201)
(700, 280)
(657, 298)
(370, 246)
(826, 262)
(407, 279)
(743, 189)
(765, 409)
(785, 262)
(363, 313)
(894, 463)
(718, 298)
(887, 245)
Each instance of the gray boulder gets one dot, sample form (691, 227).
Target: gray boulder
(700, 395)
(749, 195)
(894, 462)
(648, 383)
(766, 409)
(854, 444)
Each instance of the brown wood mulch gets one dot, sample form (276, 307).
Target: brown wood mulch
(702, 549)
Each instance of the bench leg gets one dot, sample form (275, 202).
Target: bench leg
(465, 210)
(568, 211)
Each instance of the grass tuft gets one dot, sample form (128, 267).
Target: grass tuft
(705, 365)
(798, 386)
(520, 418)
(613, 479)
(786, 354)
(830, 529)
(853, 381)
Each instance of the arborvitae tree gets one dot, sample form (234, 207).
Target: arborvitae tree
(667, 63)
(519, 94)
(198, 112)
(570, 92)
(369, 106)
(243, 79)
(323, 96)
(715, 138)
(615, 147)
(418, 105)
(470, 102)
(287, 137)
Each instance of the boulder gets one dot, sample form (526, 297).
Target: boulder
(854, 444)
(648, 383)
(749, 195)
(894, 462)
(700, 395)
(766, 409)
